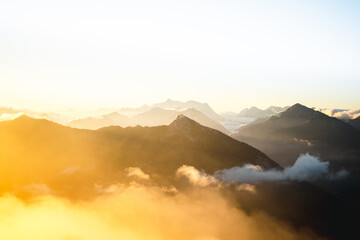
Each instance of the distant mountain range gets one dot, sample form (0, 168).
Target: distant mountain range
(173, 105)
(155, 116)
(300, 122)
(163, 113)
(297, 130)
(38, 156)
(255, 112)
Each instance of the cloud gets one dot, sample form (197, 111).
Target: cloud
(246, 187)
(136, 172)
(9, 116)
(306, 168)
(137, 212)
(196, 177)
(201, 179)
(341, 113)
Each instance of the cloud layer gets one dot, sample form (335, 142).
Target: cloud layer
(136, 212)
(135, 172)
(341, 113)
(196, 177)
(306, 168)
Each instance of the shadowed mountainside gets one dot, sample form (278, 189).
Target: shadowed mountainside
(37, 150)
(38, 156)
(299, 130)
(355, 123)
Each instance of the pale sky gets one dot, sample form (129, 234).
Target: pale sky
(230, 54)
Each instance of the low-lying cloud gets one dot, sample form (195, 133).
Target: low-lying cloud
(137, 212)
(196, 177)
(341, 113)
(134, 211)
(135, 172)
(306, 168)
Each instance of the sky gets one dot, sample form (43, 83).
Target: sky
(231, 54)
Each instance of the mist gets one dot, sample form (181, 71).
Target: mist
(138, 212)
(341, 113)
(306, 168)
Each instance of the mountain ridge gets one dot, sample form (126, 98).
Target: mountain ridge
(37, 150)
(155, 116)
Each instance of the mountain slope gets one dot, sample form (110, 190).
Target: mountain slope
(255, 112)
(173, 105)
(355, 123)
(300, 130)
(300, 122)
(93, 123)
(159, 116)
(154, 117)
(40, 151)
(178, 105)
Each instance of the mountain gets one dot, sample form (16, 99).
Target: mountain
(173, 105)
(158, 116)
(111, 119)
(300, 122)
(154, 117)
(255, 112)
(299, 130)
(178, 105)
(40, 151)
(343, 114)
(133, 111)
(355, 123)
(39, 156)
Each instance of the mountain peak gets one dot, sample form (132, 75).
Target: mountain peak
(300, 112)
(182, 122)
(184, 119)
(113, 114)
(24, 116)
(298, 105)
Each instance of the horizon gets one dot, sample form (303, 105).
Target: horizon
(181, 120)
(117, 108)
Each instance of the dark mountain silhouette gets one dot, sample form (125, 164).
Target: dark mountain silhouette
(299, 130)
(302, 123)
(355, 123)
(304, 205)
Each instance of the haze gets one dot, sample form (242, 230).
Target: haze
(181, 120)
(86, 54)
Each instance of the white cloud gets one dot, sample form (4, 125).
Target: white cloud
(306, 168)
(246, 187)
(341, 113)
(137, 173)
(196, 177)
